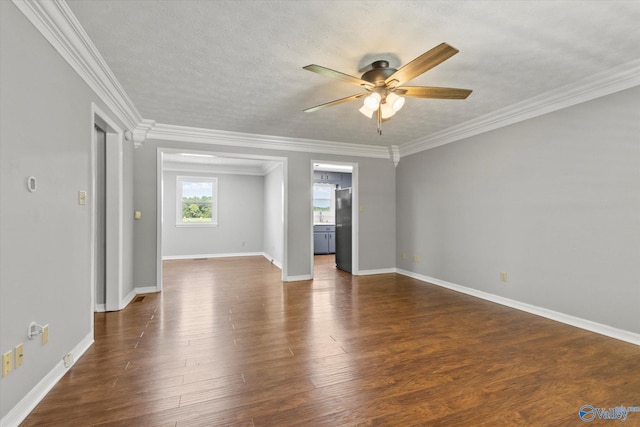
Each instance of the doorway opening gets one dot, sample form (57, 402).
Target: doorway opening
(334, 225)
(106, 197)
(247, 205)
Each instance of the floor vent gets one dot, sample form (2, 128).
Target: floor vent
(139, 298)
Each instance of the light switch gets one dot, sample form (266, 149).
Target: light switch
(82, 198)
(137, 215)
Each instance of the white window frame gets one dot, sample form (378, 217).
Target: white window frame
(332, 201)
(214, 203)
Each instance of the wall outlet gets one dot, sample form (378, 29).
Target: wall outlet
(403, 255)
(7, 363)
(68, 360)
(19, 355)
(503, 276)
(416, 258)
(45, 334)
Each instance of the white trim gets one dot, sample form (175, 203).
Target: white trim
(219, 170)
(100, 308)
(394, 154)
(285, 218)
(355, 213)
(146, 290)
(114, 215)
(355, 220)
(159, 215)
(578, 322)
(201, 256)
(22, 409)
(300, 278)
(125, 302)
(269, 167)
(378, 271)
(180, 179)
(601, 84)
(167, 132)
(272, 260)
(57, 23)
(160, 203)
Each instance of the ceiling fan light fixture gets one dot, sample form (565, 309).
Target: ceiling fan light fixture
(367, 111)
(386, 110)
(372, 101)
(395, 101)
(381, 82)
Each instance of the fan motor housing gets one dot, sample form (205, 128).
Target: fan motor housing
(378, 73)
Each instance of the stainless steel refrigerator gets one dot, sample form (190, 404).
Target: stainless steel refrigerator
(343, 229)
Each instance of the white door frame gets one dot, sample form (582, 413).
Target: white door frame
(160, 201)
(114, 220)
(355, 249)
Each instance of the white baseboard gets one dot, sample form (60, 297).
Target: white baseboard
(599, 328)
(297, 278)
(100, 308)
(146, 290)
(272, 260)
(18, 413)
(378, 271)
(125, 302)
(200, 256)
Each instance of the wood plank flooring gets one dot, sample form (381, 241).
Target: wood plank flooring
(228, 344)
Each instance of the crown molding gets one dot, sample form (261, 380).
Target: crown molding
(141, 131)
(394, 154)
(57, 23)
(166, 132)
(601, 84)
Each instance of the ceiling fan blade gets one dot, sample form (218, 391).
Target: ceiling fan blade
(433, 92)
(336, 102)
(423, 63)
(327, 72)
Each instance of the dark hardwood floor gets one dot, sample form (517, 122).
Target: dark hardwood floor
(228, 344)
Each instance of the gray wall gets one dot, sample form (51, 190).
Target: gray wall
(273, 215)
(240, 218)
(377, 194)
(553, 201)
(45, 131)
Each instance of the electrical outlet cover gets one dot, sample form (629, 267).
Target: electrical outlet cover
(7, 363)
(68, 360)
(19, 355)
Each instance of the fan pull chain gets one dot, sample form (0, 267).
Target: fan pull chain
(379, 121)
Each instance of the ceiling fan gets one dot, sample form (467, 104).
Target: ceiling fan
(383, 84)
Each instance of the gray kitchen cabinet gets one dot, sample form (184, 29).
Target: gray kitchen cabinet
(324, 239)
(342, 180)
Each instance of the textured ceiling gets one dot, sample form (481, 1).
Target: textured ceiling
(237, 65)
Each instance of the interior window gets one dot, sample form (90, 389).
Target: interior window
(196, 201)
(324, 203)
